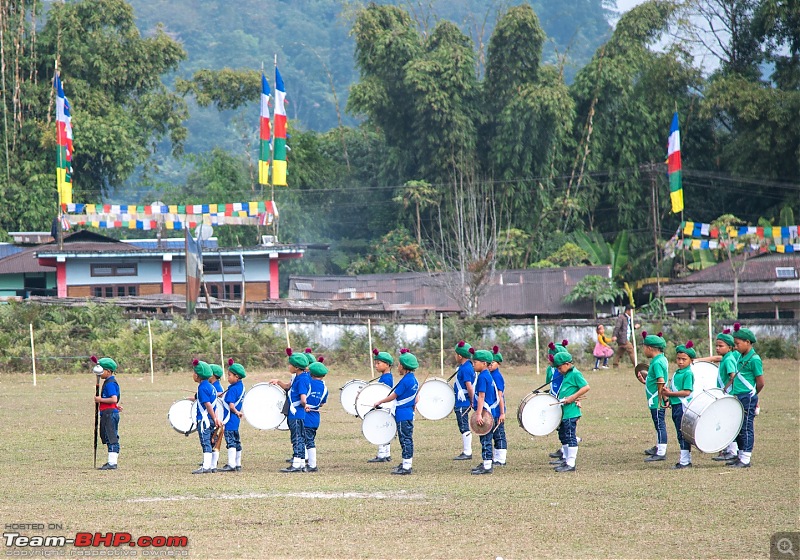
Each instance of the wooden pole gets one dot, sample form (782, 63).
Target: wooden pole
(371, 362)
(536, 333)
(286, 328)
(33, 356)
(441, 344)
(150, 337)
(632, 334)
(221, 354)
(710, 334)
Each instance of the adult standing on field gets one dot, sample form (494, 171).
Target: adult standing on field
(623, 331)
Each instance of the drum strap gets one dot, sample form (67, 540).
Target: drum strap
(321, 398)
(746, 383)
(408, 399)
(684, 400)
(460, 390)
(496, 396)
(651, 397)
(241, 398)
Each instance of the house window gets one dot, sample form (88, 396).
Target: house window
(106, 270)
(115, 291)
(213, 266)
(230, 291)
(785, 272)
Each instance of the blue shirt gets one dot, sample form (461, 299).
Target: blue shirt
(110, 389)
(317, 396)
(466, 373)
(235, 395)
(205, 394)
(406, 392)
(485, 385)
(217, 385)
(500, 383)
(554, 378)
(387, 379)
(301, 385)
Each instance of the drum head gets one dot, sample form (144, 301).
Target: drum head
(705, 377)
(369, 395)
(487, 425)
(182, 416)
(262, 406)
(348, 395)
(717, 424)
(435, 399)
(379, 426)
(539, 415)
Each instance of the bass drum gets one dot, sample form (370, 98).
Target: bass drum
(705, 377)
(370, 394)
(379, 426)
(262, 406)
(348, 395)
(539, 414)
(182, 416)
(712, 420)
(435, 399)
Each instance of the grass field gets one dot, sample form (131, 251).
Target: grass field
(614, 506)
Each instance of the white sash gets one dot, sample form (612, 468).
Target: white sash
(204, 419)
(684, 400)
(407, 400)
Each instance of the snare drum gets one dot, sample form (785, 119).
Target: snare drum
(182, 416)
(370, 394)
(348, 395)
(712, 420)
(538, 414)
(379, 426)
(262, 406)
(705, 377)
(435, 399)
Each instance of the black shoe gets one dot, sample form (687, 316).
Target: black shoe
(290, 459)
(498, 464)
(557, 455)
(652, 451)
(201, 470)
(739, 465)
(238, 468)
(481, 470)
(725, 456)
(732, 461)
(558, 462)
(565, 468)
(379, 460)
(227, 468)
(462, 457)
(310, 469)
(107, 467)
(292, 469)
(654, 458)
(401, 471)
(679, 466)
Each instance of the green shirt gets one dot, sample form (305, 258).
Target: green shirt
(682, 380)
(659, 368)
(726, 367)
(573, 381)
(748, 368)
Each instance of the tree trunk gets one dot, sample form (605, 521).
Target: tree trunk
(419, 227)
(735, 295)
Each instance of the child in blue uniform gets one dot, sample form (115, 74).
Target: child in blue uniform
(485, 397)
(207, 420)
(406, 395)
(573, 387)
(216, 372)
(234, 396)
(679, 391)
(554, 378)
(317, 396)
(748, 381)
(464, 390)
(297, 392)
(500, 444)
(383, 364)
(654, 383)
(109, 408)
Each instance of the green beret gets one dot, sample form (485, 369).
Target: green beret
(383, 357)
(726, 337)
(408, 360)
(298, 360)
(554, 348)
(318, 369)
(237, 370)
(743, 334)
(310, 356)
(217, 370)
(497, 357)
(202, 369)
(107, 363)
(483, 356)
(686, 349)
(655, 341)
(462, 349)
(562, 358)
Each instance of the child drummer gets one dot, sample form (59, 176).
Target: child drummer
(500, 443)
(406, 394)
(485, 397)
(680, 387)
(383, 364)
(108, 405)
(654, 382)
(234, 397)
(572, 388)
(297, 392)
(207, 420)
(748, 382)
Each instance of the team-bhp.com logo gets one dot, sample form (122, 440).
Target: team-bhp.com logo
(152, 545)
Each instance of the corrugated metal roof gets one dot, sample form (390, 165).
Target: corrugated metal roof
(24, 262)
(759, 268)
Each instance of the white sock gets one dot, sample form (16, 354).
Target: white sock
(214, 459)
(572, 454)
(387, 450)
(733, 448)
(466, 440)
(745, 458)
(686, 457)
(312, 457)
(564, 451)
(238, 458)
(206, 461)
(661, 449)
(297, 463)
(112, 458)
(306, 453)
(501, 455)
(231, 456)
(487, 464)
(741, 455)
(407, 463)
(495, 455)
(579, 440)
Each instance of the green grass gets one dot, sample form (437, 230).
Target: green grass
(615, 505)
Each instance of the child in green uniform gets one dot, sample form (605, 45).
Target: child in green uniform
(553, 377)
(656, 380)
(748, 381)
(679, 391)
(573, 387)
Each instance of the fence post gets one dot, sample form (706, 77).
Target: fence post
(33, 356)
(536, 332)
(150, 338)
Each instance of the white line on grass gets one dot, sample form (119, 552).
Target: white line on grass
(399, 495)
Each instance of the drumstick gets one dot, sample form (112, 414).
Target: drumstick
(286, 328)
(540, 386)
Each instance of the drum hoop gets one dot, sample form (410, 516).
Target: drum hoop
(529, 398)
(191, 416)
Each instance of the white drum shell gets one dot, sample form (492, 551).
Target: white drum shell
(262, 406)
(712, 420)
(348, 395)
(182, 416)
(538, 414)
(705, 377)
(435, 399)
(369, 395)
(379, 426)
